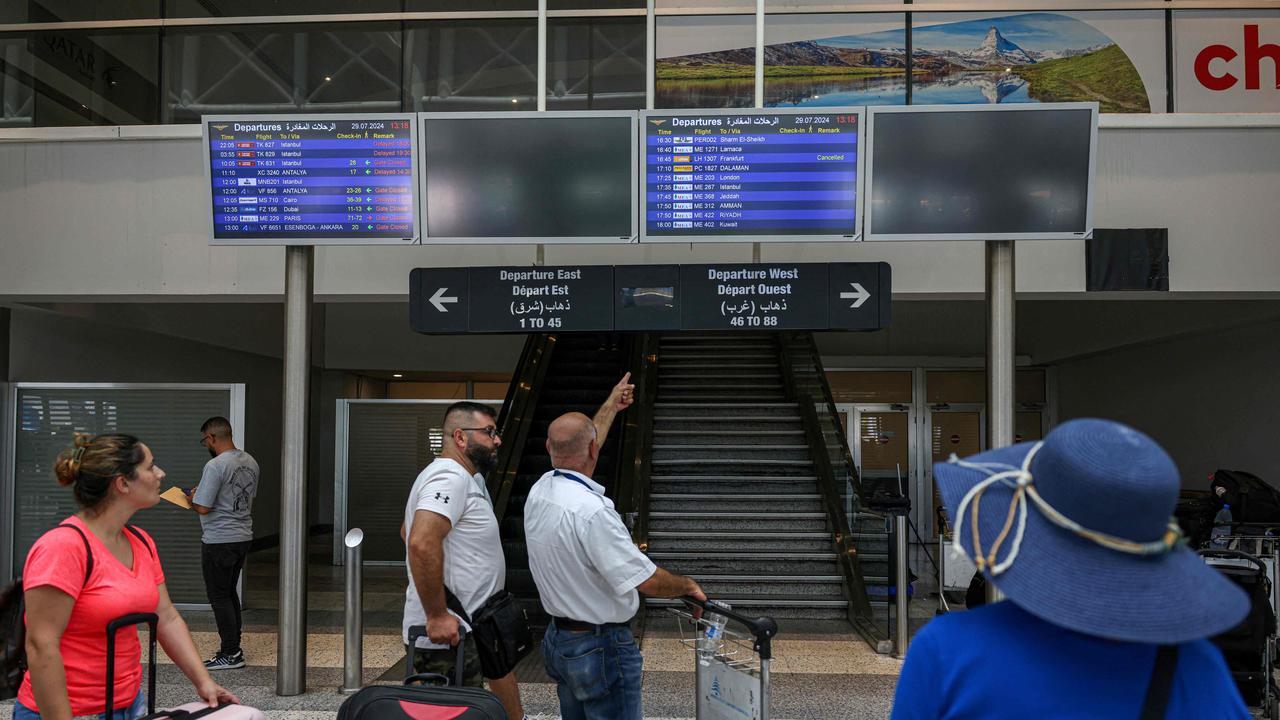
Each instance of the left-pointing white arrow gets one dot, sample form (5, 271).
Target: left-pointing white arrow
(859, 295)
(439, 299)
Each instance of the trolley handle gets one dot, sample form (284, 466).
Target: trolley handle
(1233, 555)
(762, 628)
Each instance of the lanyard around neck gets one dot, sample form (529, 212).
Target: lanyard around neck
(575, 478)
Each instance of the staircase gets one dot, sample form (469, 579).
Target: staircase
(734, 500)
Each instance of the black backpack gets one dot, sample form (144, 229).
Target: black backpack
(13, 641)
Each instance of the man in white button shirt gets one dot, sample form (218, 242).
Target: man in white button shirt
(588, 571)
(451, 540)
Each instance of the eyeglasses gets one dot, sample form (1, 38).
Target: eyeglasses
(205, 438)
(491, 431)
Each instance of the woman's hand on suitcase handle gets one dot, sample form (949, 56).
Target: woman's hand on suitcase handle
(443, 628)
(214, 694)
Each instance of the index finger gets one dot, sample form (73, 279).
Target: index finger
(625, 378)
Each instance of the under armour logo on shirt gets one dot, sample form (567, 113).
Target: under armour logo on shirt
(445, 499)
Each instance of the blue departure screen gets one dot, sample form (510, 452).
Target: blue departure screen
(316, 179)
(748, 173)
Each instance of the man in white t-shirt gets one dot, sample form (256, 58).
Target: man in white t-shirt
(452, 541)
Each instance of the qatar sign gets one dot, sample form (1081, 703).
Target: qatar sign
(1226, 61)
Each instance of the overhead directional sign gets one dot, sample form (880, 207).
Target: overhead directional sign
(749, 296)
(511, 299)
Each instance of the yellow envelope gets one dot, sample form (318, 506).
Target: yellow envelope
(176, 496)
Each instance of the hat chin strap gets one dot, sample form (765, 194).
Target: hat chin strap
(1023, 484)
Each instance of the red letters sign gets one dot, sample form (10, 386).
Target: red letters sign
(1254, 53)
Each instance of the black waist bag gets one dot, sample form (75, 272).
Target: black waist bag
(501, 631)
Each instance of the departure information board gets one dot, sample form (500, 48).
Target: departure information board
(312, 179)
(765, 174)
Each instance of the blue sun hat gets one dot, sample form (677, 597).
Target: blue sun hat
(1078, 530)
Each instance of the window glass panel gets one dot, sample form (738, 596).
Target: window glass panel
(956, 386)
(472, 5)
(1029, 386)
(17, 93)
(819, 60)
(16, 11)
(79, 77)
(282, 68)
(705, 61)
(472, 65)
(595, 63)
(870, 386)
(593, 4)
(242, 8)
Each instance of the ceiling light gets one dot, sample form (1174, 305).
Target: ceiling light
(397, 375)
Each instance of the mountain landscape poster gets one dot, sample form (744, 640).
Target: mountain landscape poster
(1024, 57)
(860, 59)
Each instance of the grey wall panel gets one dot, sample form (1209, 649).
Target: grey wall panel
(167, 420)
(1209, 399)
(139, 222)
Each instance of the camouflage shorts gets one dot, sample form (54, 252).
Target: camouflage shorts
(442, 662)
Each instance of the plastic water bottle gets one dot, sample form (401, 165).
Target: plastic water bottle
(712, 640)
(1221, 527)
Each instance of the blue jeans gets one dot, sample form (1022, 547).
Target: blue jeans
(133, 712)
(597, 673)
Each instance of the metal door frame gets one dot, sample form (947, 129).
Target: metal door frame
(342, 438)
(911, 480)
(8, 479)
(926, 449)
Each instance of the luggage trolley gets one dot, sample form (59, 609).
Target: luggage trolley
(732, 683)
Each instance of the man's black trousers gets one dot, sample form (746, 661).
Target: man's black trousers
(222, 563)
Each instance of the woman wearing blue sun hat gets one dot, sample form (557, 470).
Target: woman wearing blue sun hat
(1107, 612)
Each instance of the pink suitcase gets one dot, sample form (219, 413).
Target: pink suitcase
(190, 711)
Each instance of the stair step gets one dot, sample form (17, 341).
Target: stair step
(727, 461)
(704, 406)
(741, 535)
(663, 377)
(704, 577)
(779, 418)
(774, 601)
(736, 555)
(780, 497)
(719, 562)
(689, 365)
(658, 477)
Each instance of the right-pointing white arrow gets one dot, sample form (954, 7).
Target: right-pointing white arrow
(439, 300)
(859, 296)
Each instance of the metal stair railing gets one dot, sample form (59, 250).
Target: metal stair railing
(842, 508)
(516, 417)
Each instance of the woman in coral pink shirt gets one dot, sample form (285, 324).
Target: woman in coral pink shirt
(113, 477)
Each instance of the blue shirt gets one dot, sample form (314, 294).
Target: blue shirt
(999, 661)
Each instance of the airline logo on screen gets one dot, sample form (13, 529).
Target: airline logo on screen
(1219, 67)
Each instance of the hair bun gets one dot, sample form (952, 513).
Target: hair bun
(67, 467)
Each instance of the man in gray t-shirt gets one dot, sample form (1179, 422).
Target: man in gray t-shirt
(224, 500)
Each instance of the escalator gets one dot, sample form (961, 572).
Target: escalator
(558, 374)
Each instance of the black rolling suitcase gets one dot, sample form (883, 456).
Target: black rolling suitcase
(416, 701)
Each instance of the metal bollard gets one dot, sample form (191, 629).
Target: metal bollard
(900, 582)
(353, 655)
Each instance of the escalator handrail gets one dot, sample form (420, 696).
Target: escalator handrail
(846, 552)
(517, 417)
(816, 359)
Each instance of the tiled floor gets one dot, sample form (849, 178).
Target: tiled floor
(819, 672)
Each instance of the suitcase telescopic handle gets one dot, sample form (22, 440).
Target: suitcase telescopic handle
(459, 674)
(762, 628)
(113, 627)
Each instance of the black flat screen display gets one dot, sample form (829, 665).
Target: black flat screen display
(972, 172)
(528, 177)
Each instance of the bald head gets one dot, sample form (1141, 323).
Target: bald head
(569, 442)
